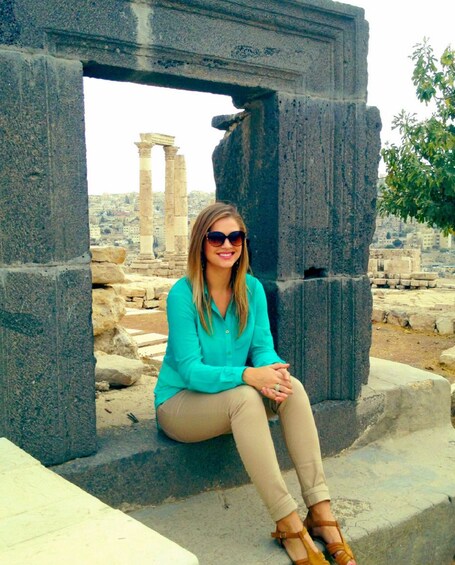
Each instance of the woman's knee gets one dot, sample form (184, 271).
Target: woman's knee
(299, 394)
(245, 397)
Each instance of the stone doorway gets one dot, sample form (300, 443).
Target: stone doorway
(301, 166)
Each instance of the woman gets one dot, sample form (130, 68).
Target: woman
(221, 375)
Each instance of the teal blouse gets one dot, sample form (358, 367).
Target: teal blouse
(211, 363)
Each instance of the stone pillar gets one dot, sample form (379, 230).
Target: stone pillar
(169, 203)
(307, 191)
(145, 200)
(181, 207)
(47, 380)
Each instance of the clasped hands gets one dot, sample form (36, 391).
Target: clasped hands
(265, 379)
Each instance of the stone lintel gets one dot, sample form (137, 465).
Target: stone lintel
(310, 45)
(157, 139)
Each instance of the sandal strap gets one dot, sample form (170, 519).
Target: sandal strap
(341, 552)
(287, 535)
(312, 524)
(313, 558)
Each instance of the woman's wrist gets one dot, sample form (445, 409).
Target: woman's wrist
(247, 374)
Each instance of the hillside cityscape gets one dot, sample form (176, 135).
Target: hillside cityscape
(114, 220)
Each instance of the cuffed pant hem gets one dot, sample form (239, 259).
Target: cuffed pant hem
(315, 495)
(283, 508)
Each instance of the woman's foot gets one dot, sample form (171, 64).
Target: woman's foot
(295, 547)
(330, 534)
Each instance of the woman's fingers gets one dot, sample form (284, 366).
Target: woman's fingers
(273, 394)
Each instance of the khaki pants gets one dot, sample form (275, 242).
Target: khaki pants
(192, 416)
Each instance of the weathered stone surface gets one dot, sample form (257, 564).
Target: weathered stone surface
(452, 409)
(117, 341)
(117, 370)
(318, 226)
(333, 349)
(232, 48)
(46, 361)
(424, 276)
(108, 254)
(445, 325)
(422, 321)
(108, 309)
(398, 318)
(43, 211)
(447, 358)
(129, 290)
(151, 303)
(378, 315)
(107, 273)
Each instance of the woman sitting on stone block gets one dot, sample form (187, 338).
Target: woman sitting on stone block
(221, 375)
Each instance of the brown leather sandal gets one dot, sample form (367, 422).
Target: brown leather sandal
(313, 557)
(340, 551)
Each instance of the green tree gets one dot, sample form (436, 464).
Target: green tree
(420, 181)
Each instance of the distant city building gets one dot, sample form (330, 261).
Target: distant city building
(114, 218)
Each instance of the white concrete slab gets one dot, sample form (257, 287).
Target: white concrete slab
(45, 520)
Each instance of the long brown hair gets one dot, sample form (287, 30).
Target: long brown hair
(196, 265)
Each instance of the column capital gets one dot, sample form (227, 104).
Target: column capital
(170, 151)
(145, 148)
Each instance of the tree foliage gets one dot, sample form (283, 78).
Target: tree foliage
(420, 182)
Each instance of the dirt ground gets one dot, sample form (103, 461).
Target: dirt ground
(418, 349)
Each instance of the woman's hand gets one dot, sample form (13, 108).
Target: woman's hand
(265, 380)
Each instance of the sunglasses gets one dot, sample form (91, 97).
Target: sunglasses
(217, 238)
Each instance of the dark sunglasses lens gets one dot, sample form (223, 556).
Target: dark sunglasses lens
(236, 238)
(216, 238)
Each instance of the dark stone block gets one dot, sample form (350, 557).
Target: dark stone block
(322, 328)
(138, 465)
(302, 173)
(43, 191)
(47, 389)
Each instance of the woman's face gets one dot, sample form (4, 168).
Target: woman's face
(225, 256)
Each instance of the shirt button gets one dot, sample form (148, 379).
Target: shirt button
(227, 331)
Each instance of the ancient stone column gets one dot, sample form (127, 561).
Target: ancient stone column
(145, 200)
(170, 152)
(181, 207)
(47, 368)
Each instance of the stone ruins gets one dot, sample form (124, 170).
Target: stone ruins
(398, 268)
(176, 209)
(300, 162)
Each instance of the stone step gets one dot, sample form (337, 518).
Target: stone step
(45, 520)
(398, 407)
(133, 331)
(152, 350)
(395, 499)
(150, 339)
